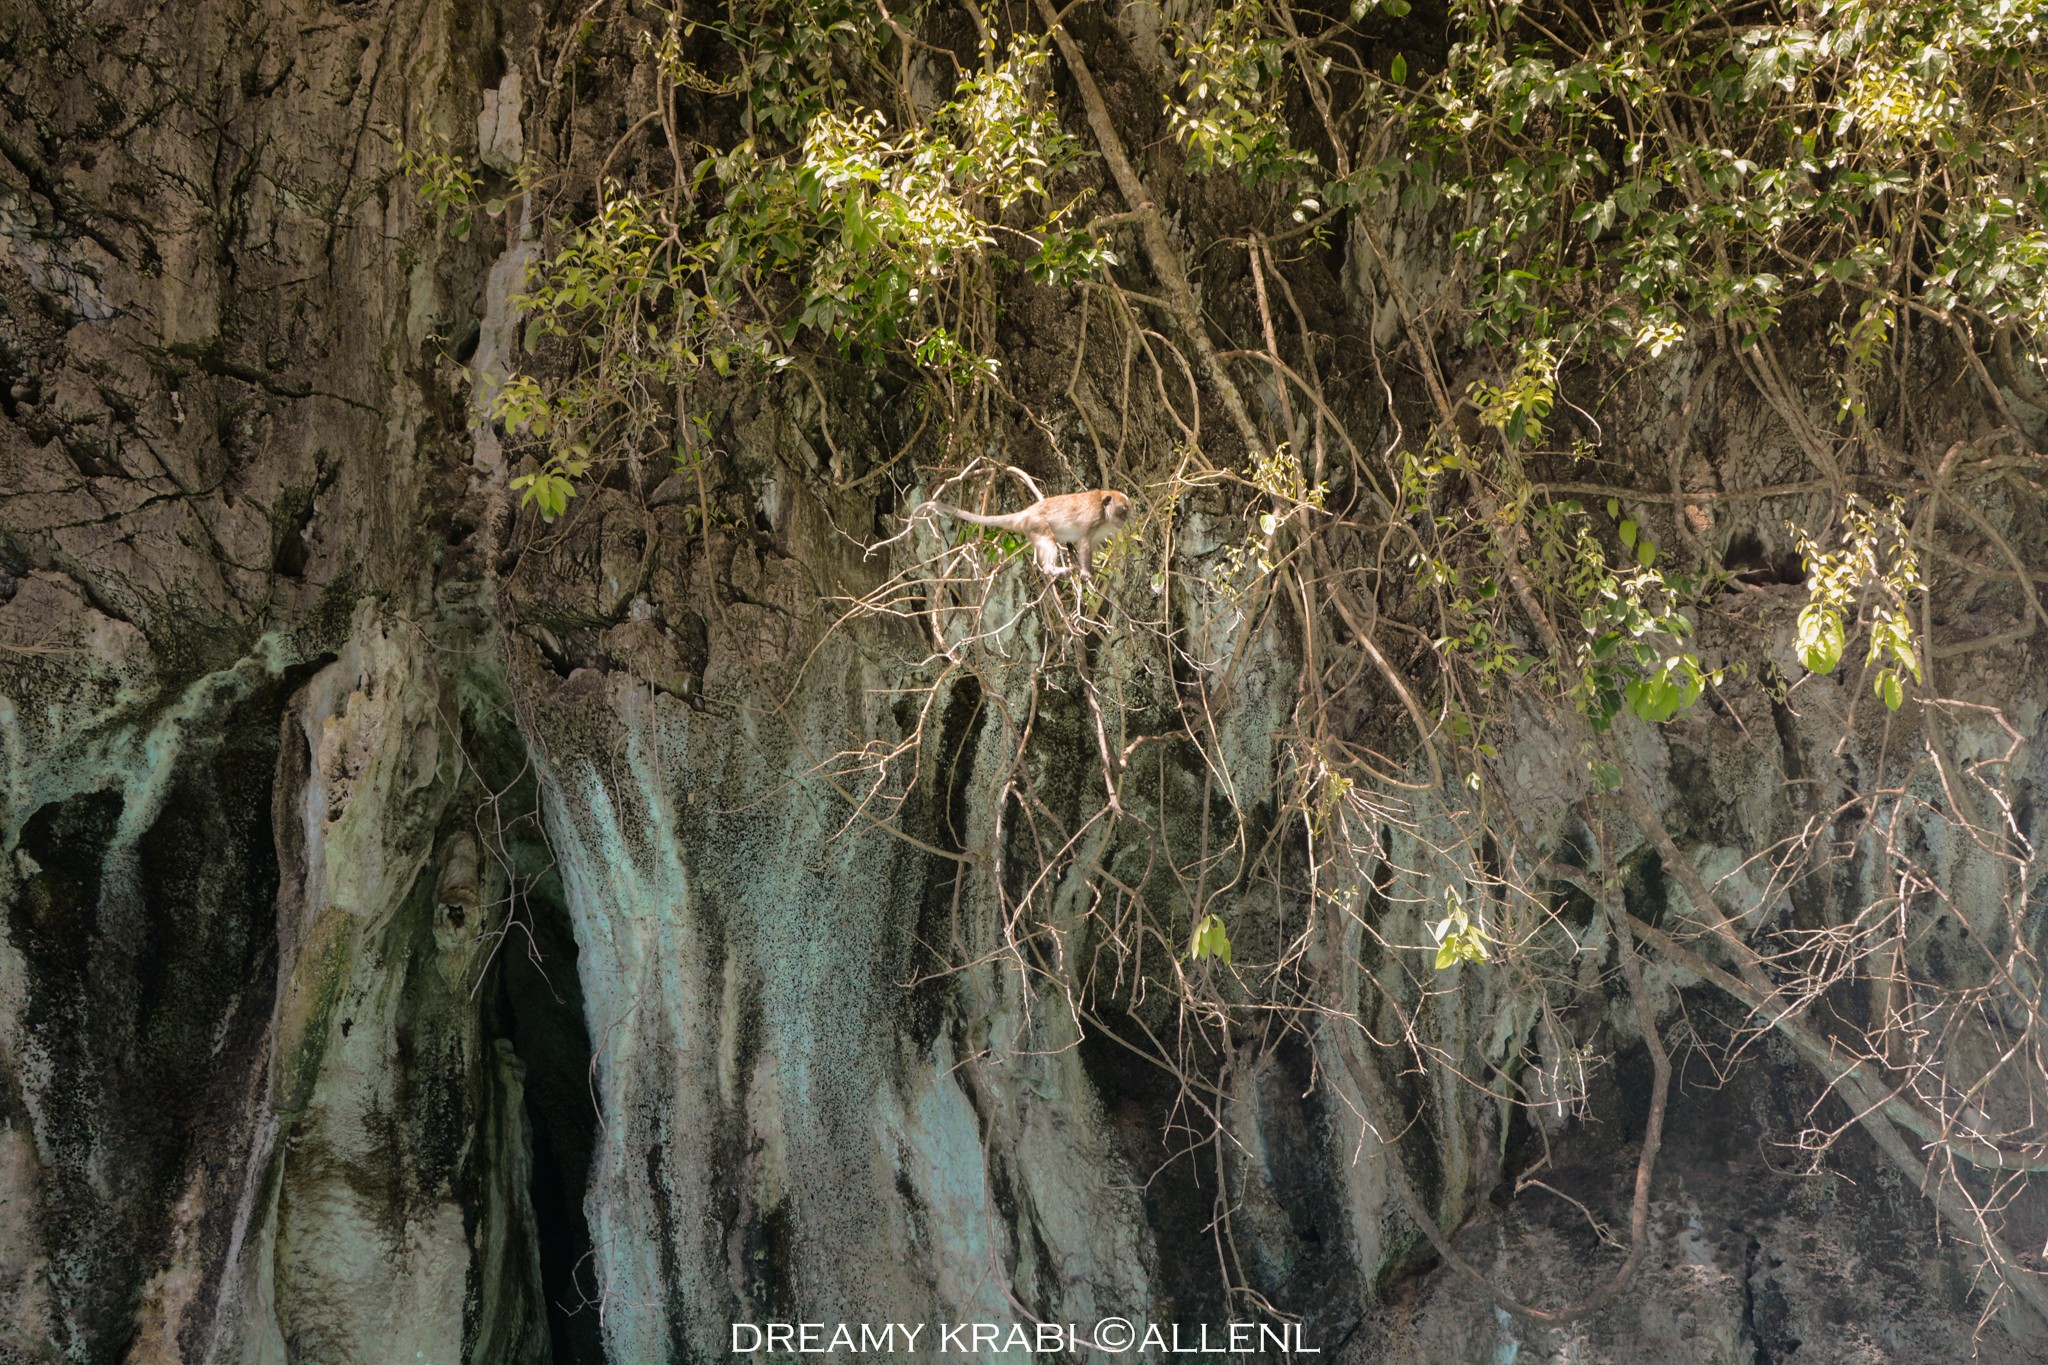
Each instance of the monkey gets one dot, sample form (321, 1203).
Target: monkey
(1083, 520)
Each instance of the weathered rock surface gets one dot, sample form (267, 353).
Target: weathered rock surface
(432, 936)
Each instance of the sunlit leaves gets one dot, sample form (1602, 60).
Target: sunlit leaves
(1875, 568)
(1212, 940)
(1890, 153)
(1820, 638)
(1277, 475)
(823, 220)
(548, 490)
(1458, 939)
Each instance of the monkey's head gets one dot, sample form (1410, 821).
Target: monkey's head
(1116, 508)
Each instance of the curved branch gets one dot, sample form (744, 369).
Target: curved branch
(1166, 262)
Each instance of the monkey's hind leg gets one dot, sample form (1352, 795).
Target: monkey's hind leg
(1048, 555)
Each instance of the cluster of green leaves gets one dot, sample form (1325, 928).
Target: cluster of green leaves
(865, 222)
(623, 295)
(1211, 940)
(521, 406)
(1458, 939)
(1677, 165)
(827, 220)
(1228, 111)
(1863, 345)
(1517, 407)
(1469, 594)
(1876, 566)
(796, 60)
(445, 183)
(1635, 174)
(1633, 649)
(1276, 476)
(1639, 173)
(996, 545)
(1633, 644)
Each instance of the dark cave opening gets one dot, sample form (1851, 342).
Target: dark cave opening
(540, 1009)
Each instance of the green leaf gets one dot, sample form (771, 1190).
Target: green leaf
(1613, 508)
(1641, 699)
(1646, 552)
(1628, 533)
(1820, 638)
(1398, 72)
(1888, 688)
(1675, 685)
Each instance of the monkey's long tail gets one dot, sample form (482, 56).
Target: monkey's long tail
(1002, 523)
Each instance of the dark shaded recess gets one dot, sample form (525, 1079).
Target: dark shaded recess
(1747, 559)
(1593, 1158)
(1730, 1136)
(53, 923)
(1766, 1313)
(771, 1251)
(1572, 905)
(1296, 1125)
(540, 1009)
(1635, 1082)
(150, 975)
(14, 568)
(1643, 891)
(1521, 1150)
(490, 55)
(534, 1000)
(292, 516)
(666, 1228)
(952, 790)
(1177, 1180)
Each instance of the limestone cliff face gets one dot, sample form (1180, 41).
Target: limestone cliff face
(433, 935)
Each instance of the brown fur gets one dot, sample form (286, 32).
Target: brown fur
(1083, 520)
